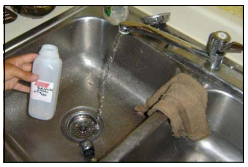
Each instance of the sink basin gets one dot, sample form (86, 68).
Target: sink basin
(85, 41)
(224, 145)
(84, 45)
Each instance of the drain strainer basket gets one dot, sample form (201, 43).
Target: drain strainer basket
(80, 123)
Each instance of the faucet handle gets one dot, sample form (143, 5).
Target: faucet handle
(234, 47)
(156, 20)
(219, 43)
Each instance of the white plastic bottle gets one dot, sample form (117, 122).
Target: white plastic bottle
(44, 92)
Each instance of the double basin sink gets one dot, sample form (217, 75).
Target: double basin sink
(85, 41)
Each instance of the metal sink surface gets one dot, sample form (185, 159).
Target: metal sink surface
(224, 113)
(85, 41)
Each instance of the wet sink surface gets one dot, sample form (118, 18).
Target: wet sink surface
(84, 45)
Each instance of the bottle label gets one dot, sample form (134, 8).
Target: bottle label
(42, 91)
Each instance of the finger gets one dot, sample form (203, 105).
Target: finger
(26, 76)
(27, 58)
(10, 84)
(22, 88)
(27, 67)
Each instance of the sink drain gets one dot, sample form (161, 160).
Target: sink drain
(80, 123)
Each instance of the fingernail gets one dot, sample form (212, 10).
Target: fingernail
(34, 77)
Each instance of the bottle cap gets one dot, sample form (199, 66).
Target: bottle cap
(49, 51)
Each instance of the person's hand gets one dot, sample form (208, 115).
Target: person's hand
(18, 68)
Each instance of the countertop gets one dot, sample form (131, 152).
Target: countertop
(24, 24)
(195, 21)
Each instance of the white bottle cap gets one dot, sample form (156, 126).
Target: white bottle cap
(49, 51)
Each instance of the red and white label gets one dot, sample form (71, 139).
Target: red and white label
(42, 91)
(42, 84)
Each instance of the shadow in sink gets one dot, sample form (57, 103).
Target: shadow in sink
(225, 115)
(84, 44)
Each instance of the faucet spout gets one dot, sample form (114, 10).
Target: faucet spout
(218, 44)
(133, 27)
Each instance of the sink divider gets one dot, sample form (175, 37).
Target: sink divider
(15, 150)
(136, 137)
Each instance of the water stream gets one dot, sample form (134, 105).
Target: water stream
(105, 73)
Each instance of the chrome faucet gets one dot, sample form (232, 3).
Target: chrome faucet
(217, 46)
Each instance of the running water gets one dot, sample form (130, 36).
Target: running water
(105, 72)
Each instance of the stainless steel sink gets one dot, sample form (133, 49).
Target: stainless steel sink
(224, 114)
(85, 41)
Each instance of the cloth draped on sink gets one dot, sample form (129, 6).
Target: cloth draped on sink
(184, 101)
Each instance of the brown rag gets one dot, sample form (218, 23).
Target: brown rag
(184, 101)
